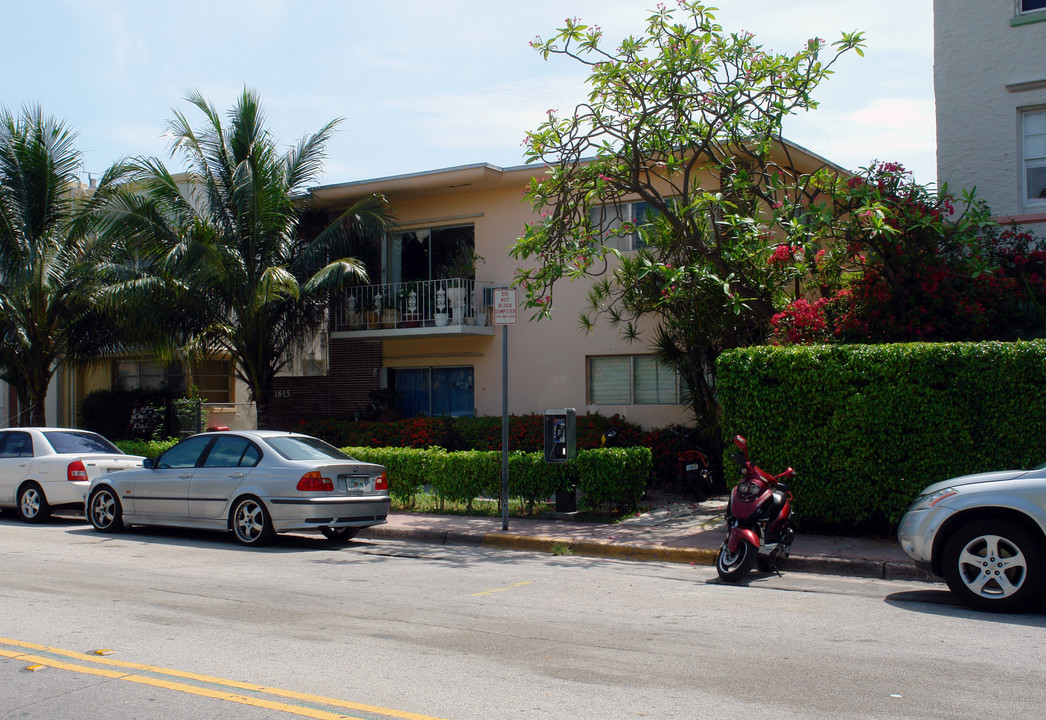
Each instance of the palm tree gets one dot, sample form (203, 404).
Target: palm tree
(221, 265)
(48, 310)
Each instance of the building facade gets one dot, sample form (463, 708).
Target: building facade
(419, 336)
(990, 87)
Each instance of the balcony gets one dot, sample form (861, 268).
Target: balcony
(429, 308)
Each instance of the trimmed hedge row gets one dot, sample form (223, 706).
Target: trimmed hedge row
(868, 426)
(607, 479)
(484, 433)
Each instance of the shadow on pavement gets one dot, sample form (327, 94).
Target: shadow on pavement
(944, 603)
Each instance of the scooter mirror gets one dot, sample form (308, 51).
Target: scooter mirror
(741, 443)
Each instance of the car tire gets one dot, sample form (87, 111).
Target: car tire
(734, 566)
(104, 511)
(32, 505)
(342, 534)
(250, 522)
(994, 565)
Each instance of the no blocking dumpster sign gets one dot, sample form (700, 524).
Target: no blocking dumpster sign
(504, 306)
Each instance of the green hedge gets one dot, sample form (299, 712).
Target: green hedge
(868, 426)
(484, 433)
(608, 480)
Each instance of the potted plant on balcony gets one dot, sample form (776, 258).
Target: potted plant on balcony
(459, 271)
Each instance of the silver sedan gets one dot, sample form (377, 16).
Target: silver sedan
(985, 534)
(253, 483)
(48, 468)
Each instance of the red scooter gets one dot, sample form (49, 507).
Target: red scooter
(757, 520)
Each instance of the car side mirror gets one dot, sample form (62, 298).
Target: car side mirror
(148, 463)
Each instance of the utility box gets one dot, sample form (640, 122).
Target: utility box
(560, 434)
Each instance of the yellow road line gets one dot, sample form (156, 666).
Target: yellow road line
(196, 690)
(502, 589)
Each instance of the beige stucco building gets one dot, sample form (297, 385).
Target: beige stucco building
(990, 87)
(389, 334)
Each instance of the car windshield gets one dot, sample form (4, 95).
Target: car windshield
(80, 441)
(298, 447)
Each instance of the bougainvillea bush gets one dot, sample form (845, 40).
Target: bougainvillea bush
(900, 263)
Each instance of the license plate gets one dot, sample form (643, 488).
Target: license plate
(693, 466)
(353, 483)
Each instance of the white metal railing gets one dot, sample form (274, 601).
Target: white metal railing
(422, 303)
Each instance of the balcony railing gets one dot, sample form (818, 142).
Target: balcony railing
(419, 304)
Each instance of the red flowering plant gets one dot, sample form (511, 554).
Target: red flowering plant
(901, 262)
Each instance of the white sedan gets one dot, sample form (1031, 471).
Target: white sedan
(254, 483)
(42, 468)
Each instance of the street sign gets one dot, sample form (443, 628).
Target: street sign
(504, 300)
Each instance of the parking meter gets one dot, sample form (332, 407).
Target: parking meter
(560, 433)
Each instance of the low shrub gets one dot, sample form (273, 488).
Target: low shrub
(609, 480)
(612, 479)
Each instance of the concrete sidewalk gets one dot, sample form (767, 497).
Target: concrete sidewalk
(670, 531)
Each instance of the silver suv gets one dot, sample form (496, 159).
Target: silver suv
(985, 534)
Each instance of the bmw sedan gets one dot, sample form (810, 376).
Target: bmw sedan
(985, 534)
(43, 469)
(254, 483)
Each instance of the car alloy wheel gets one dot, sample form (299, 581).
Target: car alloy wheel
(32, 505)
(104, 511)
(994, 565)
(250, 522)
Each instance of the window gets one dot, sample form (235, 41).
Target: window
(434, 391)
(80, 441)
(430, 254)
(232, 451)
(185, 454)
(213, 380)
(307, 357)
(147, 375)
(610, 221)
(1033, 126)
(631, 380)
(16, 444)
(1032, 5)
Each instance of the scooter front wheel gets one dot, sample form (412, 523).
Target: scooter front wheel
(733, 566)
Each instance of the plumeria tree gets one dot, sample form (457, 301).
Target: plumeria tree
(900, 261)
(685, 119)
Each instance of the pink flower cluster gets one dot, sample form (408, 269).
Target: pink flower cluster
(783, 255)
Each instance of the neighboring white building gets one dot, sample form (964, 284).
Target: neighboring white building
(990, 86)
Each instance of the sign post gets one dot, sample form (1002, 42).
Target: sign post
(504, 315)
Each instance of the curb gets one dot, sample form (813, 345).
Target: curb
(854, 567)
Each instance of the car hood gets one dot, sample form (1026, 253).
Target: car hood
(985, 477)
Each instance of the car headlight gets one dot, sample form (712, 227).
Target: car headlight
(924, 502)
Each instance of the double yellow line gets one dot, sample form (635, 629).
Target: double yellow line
(212, 687)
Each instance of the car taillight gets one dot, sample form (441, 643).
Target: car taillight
(381, 482)
(314, 482)
(76, 471)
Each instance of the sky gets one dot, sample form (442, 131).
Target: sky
(425, 84)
